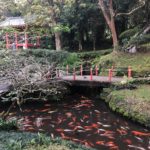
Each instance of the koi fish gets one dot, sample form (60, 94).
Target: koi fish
(141, 140)
(71, 123)
(100, 142)
(68, 130)
(97, 111)
(59, 130)
(85, 117)
(110, 143)
(136, 147)
(137, 133)
(127, 141)
(99, 123)
(50, 112)
(94, 125)
(68, 114)
(44, 110)
(106, 125)
(74, 119)
(122, 132)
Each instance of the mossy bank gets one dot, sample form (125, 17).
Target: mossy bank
(131, 103)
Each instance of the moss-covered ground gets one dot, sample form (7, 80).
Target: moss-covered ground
(134, 104)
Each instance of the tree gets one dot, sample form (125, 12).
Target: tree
(107, 7)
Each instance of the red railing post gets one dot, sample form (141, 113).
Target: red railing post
(26, 41)
(81, 70)
(74, 74)
(67, 70)
(96, 70)
(7, 41)
(129, 72)
(91, 74)
(16, 40)
(112, 69)
(110, 75)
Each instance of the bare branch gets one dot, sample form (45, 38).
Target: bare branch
(142, 3)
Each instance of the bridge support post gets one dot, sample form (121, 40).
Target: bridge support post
(81, 70)
(110, 75)
(129, 72)
(91, 74)
(74, 74)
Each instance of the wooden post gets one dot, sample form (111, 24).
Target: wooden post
(110, 75)
(67, 70)
(129, 72)
(96, 70)
(81, 70)
(91, 74)
(16, 40)
(74, 74)
(7, 41)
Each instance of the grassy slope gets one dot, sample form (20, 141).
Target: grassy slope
(139, 62)
(134, 104)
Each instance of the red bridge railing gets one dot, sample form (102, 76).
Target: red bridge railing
(91, 72)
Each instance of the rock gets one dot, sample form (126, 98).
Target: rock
(133, 50)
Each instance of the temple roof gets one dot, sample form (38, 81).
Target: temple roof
(13, 21)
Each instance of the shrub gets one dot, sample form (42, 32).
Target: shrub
(7, 125)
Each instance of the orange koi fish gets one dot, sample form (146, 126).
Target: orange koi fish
(127, 141)
(137, 133)
(100, 142)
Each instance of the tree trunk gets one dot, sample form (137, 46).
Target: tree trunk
(108, 13)
(94, 43)
(58, 41)
(114, 35)
(80, 45)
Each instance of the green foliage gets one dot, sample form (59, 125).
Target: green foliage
(60, 28)
(29, 141)
(7, 125)
(127, 34)
(72, 60)
(43, 55)
(142, 39)
(140, 63)
(94, 54)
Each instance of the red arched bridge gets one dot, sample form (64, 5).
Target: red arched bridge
(91, 77)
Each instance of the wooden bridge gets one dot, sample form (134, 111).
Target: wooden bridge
(93, 79)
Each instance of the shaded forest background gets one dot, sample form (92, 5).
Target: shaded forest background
(80, 24)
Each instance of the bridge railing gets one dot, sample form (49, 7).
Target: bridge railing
(80, 71)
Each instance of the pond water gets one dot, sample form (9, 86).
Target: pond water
(83, 120)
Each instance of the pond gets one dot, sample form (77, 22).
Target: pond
(83, 120)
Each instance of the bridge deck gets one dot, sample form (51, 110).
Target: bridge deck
(86, 80)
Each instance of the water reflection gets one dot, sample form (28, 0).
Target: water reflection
(83, 120)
